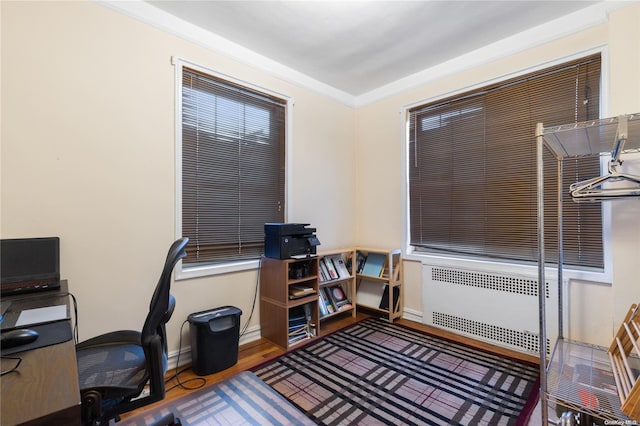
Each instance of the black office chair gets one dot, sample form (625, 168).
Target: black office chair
(115, 367)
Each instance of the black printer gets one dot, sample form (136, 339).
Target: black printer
(286, 240)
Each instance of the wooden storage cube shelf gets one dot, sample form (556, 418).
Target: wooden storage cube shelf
(624, 354)
(276, 278)
(280, 276)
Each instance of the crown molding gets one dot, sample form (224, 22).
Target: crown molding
(552, 30)
(166, 22)
(537, 36)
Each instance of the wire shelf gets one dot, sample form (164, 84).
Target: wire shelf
(580, 378)
(595, 137)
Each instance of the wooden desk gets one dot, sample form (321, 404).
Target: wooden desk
(44, 390)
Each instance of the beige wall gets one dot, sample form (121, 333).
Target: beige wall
(594, 307)
(624, 33)
(88, 155)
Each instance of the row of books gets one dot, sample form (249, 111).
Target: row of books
(370, 264)
(333, 268)
(300, 326)
(332, 299)
(375, 265)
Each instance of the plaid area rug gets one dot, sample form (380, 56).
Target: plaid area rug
(240, 400)
(375, 373)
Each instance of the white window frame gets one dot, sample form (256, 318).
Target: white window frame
(182, 272)
(525, 269)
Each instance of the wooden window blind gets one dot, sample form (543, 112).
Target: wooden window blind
(472, 168)
(233, 168)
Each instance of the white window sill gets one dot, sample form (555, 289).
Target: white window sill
(209, 270)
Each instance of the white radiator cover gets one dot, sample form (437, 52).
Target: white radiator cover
(497, 308)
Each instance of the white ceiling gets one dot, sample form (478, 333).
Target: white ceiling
(358, 46)
(360, 51)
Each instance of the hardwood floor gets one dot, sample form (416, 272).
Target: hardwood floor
(259, 351)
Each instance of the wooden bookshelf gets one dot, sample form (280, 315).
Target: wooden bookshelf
(379, 281)
(340, 281)
(328, 278)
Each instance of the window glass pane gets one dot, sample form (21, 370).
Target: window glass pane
(472, 168)
(233, 142)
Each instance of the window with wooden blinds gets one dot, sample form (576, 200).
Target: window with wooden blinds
(472, 168)
(233, 168)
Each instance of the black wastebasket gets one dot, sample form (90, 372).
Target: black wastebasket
(214, 339)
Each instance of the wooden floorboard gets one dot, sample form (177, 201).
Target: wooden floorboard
(259, 351)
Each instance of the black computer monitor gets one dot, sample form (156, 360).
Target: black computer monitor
(29, 264)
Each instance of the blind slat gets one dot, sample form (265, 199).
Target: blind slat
(472, 168)
(233, 151)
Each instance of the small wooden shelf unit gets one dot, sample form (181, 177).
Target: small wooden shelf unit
(292, 288)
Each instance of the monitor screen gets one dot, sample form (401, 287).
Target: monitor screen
(29, 259)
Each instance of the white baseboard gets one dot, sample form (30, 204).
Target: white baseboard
(412, 315)
(253, 333)
(184, 354)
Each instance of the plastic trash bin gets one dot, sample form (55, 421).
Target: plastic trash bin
(214, 339)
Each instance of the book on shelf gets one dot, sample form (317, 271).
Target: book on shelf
(333, 299)
(333, 272)
(324, 272)
(299, 323)
(340, 266)
(374, 264)
(369, 293)
(384, 301)
(338, 297)
(360, 259)
(348, 261)
(326, 307)
(322, 307)
(321, 275)
(297, 291)
(333, 267)
(295, 322)
(300, 314)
